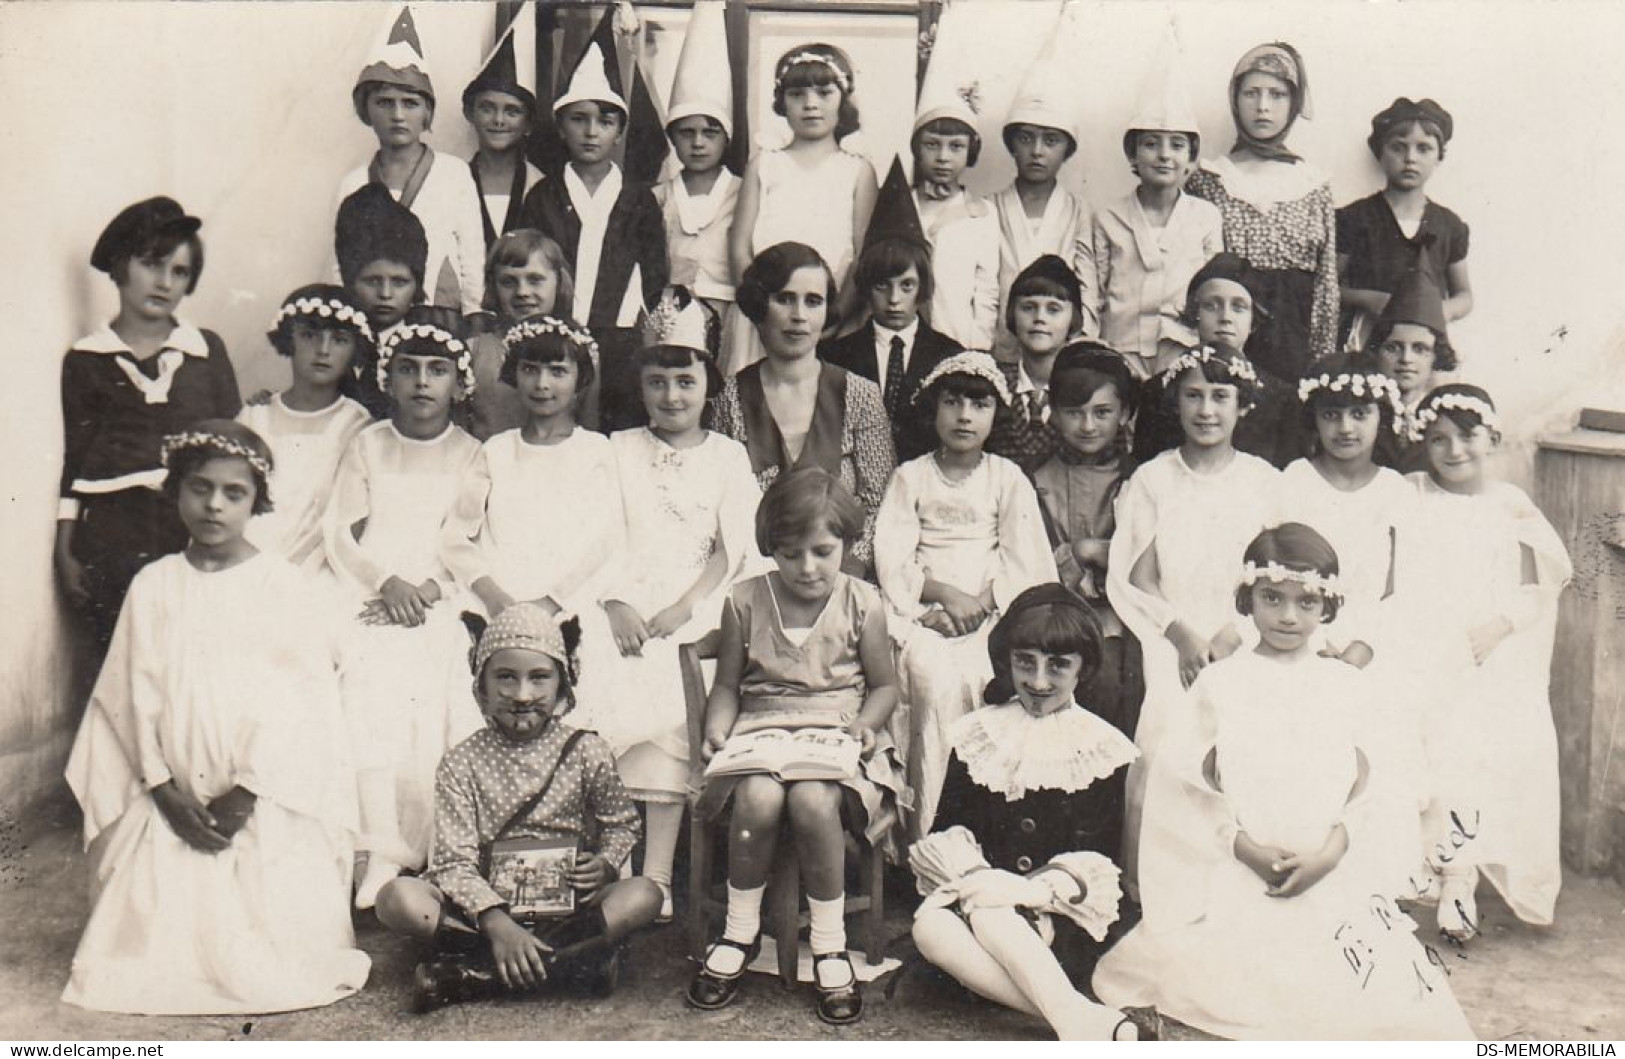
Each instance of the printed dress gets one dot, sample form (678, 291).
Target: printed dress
(1487, 727)
(983, 532)
(406, 690)
(306, 448)
(215, 680)
(680, 507)
(1273, 752)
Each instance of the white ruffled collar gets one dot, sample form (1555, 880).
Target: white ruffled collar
(1008, 750)
(184, 337)
(1269, 186)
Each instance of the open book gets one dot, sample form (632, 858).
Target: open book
(802, 754)
(533, 875)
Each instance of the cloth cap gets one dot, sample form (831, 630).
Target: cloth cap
(1047, 88)
(136, 226)
(591, 82)
(396, 59)
(1416, 300)
(1403, 110)
(372, 226)
(669, 324)
(1225, 265)
(1165, 99)
(895, 216)
(527, 627)
(511, 66)
(968, 362)
(704, 81)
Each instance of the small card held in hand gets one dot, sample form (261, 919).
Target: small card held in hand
(533, 875)
(801, 754)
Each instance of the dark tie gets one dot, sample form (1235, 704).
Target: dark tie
(893, 394)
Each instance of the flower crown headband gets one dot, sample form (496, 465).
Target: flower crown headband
(1433, 406)
(1376, 386)
(193, 439)
(325, 309)
(842, 81)
(1195, 358)
(969, 362)
(454, 347)
(537, 327)
(1325, 585)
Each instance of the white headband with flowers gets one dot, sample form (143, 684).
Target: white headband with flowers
(841, 80)
(196, 439)
(1432, 406)
(325, 309)
(1325, 585)
(538, 326)
(968, 362)
(454, 347)
(1195, 358)
(1375, 386)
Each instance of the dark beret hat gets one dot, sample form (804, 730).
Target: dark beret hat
(136, 226)
(1402, 110)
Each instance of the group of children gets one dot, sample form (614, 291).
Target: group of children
(1104, 646)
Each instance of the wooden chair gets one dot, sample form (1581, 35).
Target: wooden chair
(781, 911)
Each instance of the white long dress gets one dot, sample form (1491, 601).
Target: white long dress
(1363, 526)
(407, 691)
(1338, 961)
(217, 680)
(679, 506)
(1197, 527)
(306, 447)
(964, 236)
(984, 531)
(1487, 727)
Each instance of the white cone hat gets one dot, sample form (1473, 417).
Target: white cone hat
(704, 82)
(1165, 99)
(950, 89)
(1045, 95)
(590, 83)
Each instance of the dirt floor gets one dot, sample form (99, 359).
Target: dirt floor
(1566, 982)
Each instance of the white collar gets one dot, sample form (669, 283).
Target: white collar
(884, 335)
(1008, 750)
(609, 189)
(694, 212)
(184, 337)
(1266, 187)
(1024, 382)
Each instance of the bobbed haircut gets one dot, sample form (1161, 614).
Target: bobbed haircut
(802, 501)
(1131, 141)
(281, 336)
(1041, 279)
(663, 356)
(1008, 135)
(1428, 126)
(551, 348)
(1325, 398)
(1444, 354)
(1084, 368)
(183, 462)
(947, 127)
(1465, 419)
(1051, 619)
(815, 74)
(1296, 547)
(156, 247)
(771, 270)
(965, 386)
(514, 250)
(888, 258)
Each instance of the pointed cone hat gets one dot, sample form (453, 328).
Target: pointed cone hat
(704, 83)
(1045, 94)
(597, 76)
(1165, 98)
(895, 216)
(396, 59)
(1416, 300)
(949, 89)
(511, 66)
(646, 143)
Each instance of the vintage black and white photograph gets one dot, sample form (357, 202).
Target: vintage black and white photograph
(832, 520)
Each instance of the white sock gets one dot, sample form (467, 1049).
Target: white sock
(665, 824)
(744, 914)
(826, 925)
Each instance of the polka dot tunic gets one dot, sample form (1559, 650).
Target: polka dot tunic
(486, 778)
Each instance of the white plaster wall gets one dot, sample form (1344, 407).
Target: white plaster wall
(242, 112)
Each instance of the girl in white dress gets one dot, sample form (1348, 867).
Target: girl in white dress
(1362, 509)
(689, 500)
(1482, 572)
(1275, 933)
(811, 191)
(1183, 521)
(212, 770)
(404, 689)
(310, 424)
(958, 536)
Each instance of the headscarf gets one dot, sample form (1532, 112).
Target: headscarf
(1277, 59)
